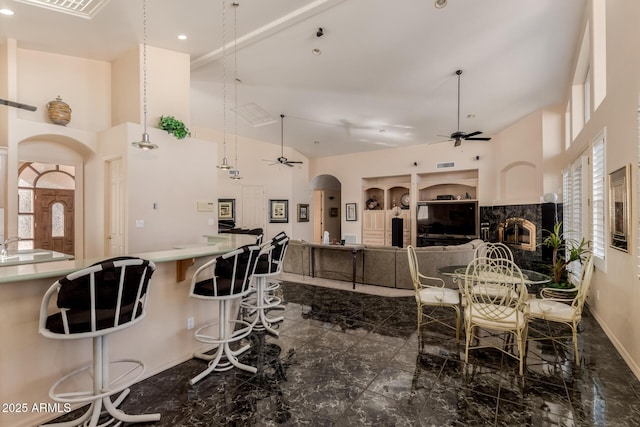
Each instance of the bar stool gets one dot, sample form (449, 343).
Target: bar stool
(262, 299)
(94, 303)
(224, 279)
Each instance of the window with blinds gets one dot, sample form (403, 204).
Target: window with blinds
(598, 231)
(572, 214)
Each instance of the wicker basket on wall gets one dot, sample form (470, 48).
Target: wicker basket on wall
(59, 112)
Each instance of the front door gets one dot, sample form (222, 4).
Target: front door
(54, 225)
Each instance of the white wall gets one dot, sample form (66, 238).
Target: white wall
(255, 162)
(615, 296)
(84, 84)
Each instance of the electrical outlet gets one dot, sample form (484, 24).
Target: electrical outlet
(190, 323)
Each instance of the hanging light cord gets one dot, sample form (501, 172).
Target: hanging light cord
(235, 71)
(144, 64)
(224, 82)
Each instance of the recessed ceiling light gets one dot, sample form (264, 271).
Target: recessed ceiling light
(7, 12)
(182, 36)
(316, 51)
(440, 4)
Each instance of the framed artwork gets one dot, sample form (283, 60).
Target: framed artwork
(278, 210)
(227, 209)
(303, 212)
(333, 211)
(619, 200)
(351, 212)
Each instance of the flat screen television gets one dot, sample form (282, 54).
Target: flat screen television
(448, 218)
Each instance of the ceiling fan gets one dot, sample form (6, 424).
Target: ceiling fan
(458, 135)
(282, 159)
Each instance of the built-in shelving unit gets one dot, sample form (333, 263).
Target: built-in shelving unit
(381, 194)
(457, 184)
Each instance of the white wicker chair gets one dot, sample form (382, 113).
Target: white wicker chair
(493, 250)
(224, 280)
(432, 295)
(496, 299)
(94, 303)
(553, 307)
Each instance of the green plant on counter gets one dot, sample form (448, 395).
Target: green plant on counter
(174, 126)
(565, 252)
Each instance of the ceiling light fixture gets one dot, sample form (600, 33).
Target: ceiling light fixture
(316, 52)
(7, 12)
(236, 175)
(182, 36)
(145, 143)
(225, 164)
(439, 4)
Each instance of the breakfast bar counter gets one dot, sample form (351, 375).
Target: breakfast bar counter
(30, 363)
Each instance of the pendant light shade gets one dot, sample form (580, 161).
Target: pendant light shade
(145, 143)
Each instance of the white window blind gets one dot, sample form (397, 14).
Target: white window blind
(573, 227)
(598, 231)
(566, 198)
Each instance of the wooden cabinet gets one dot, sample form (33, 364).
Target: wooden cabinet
(373, 227)
(380, 196)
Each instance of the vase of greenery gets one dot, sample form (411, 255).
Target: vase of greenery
(565, 252)
(174, 126)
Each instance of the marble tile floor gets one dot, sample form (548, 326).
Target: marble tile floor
(353, 359)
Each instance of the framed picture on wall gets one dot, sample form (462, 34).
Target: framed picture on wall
(278, 210)
(303, 212)
(351, 212)
(619, 191)
(333, 211)
(227, 209)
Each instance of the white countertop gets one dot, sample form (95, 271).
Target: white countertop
(226, 243)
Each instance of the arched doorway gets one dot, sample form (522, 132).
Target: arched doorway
(327, 196)
(46, 208)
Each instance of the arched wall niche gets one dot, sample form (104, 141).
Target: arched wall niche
(518, 181)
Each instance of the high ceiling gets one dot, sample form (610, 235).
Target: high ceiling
(385, 78)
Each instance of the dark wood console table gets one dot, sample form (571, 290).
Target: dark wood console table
(354, 251)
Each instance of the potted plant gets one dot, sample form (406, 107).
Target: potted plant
(174, 126)
(565, 252)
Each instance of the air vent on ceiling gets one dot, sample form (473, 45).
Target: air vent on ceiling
(445, 165)
(82, 8)
(255, 115)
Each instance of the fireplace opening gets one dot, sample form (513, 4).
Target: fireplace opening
(518, 233)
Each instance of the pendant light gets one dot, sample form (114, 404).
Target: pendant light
(235, 173)
(145, 143)
(225, 164)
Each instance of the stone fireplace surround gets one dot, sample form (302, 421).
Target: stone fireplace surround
(542, 215)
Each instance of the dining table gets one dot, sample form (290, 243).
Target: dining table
(533, 280)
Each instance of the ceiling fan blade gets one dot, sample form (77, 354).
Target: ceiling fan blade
(17, 105)
(473, 134)
(294, 161)
(457, 143)
(479, 139)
